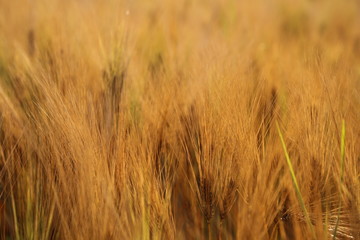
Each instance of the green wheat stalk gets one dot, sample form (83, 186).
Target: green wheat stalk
(342, 160)
(296, 185)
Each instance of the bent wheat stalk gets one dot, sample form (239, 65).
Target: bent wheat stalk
(296, 185)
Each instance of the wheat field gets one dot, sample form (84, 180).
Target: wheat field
(187, 119)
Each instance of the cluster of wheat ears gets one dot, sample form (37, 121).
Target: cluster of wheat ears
(188, 119)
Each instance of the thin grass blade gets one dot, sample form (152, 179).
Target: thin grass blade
(296, 185)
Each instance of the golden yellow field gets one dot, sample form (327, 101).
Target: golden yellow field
(179, 119)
